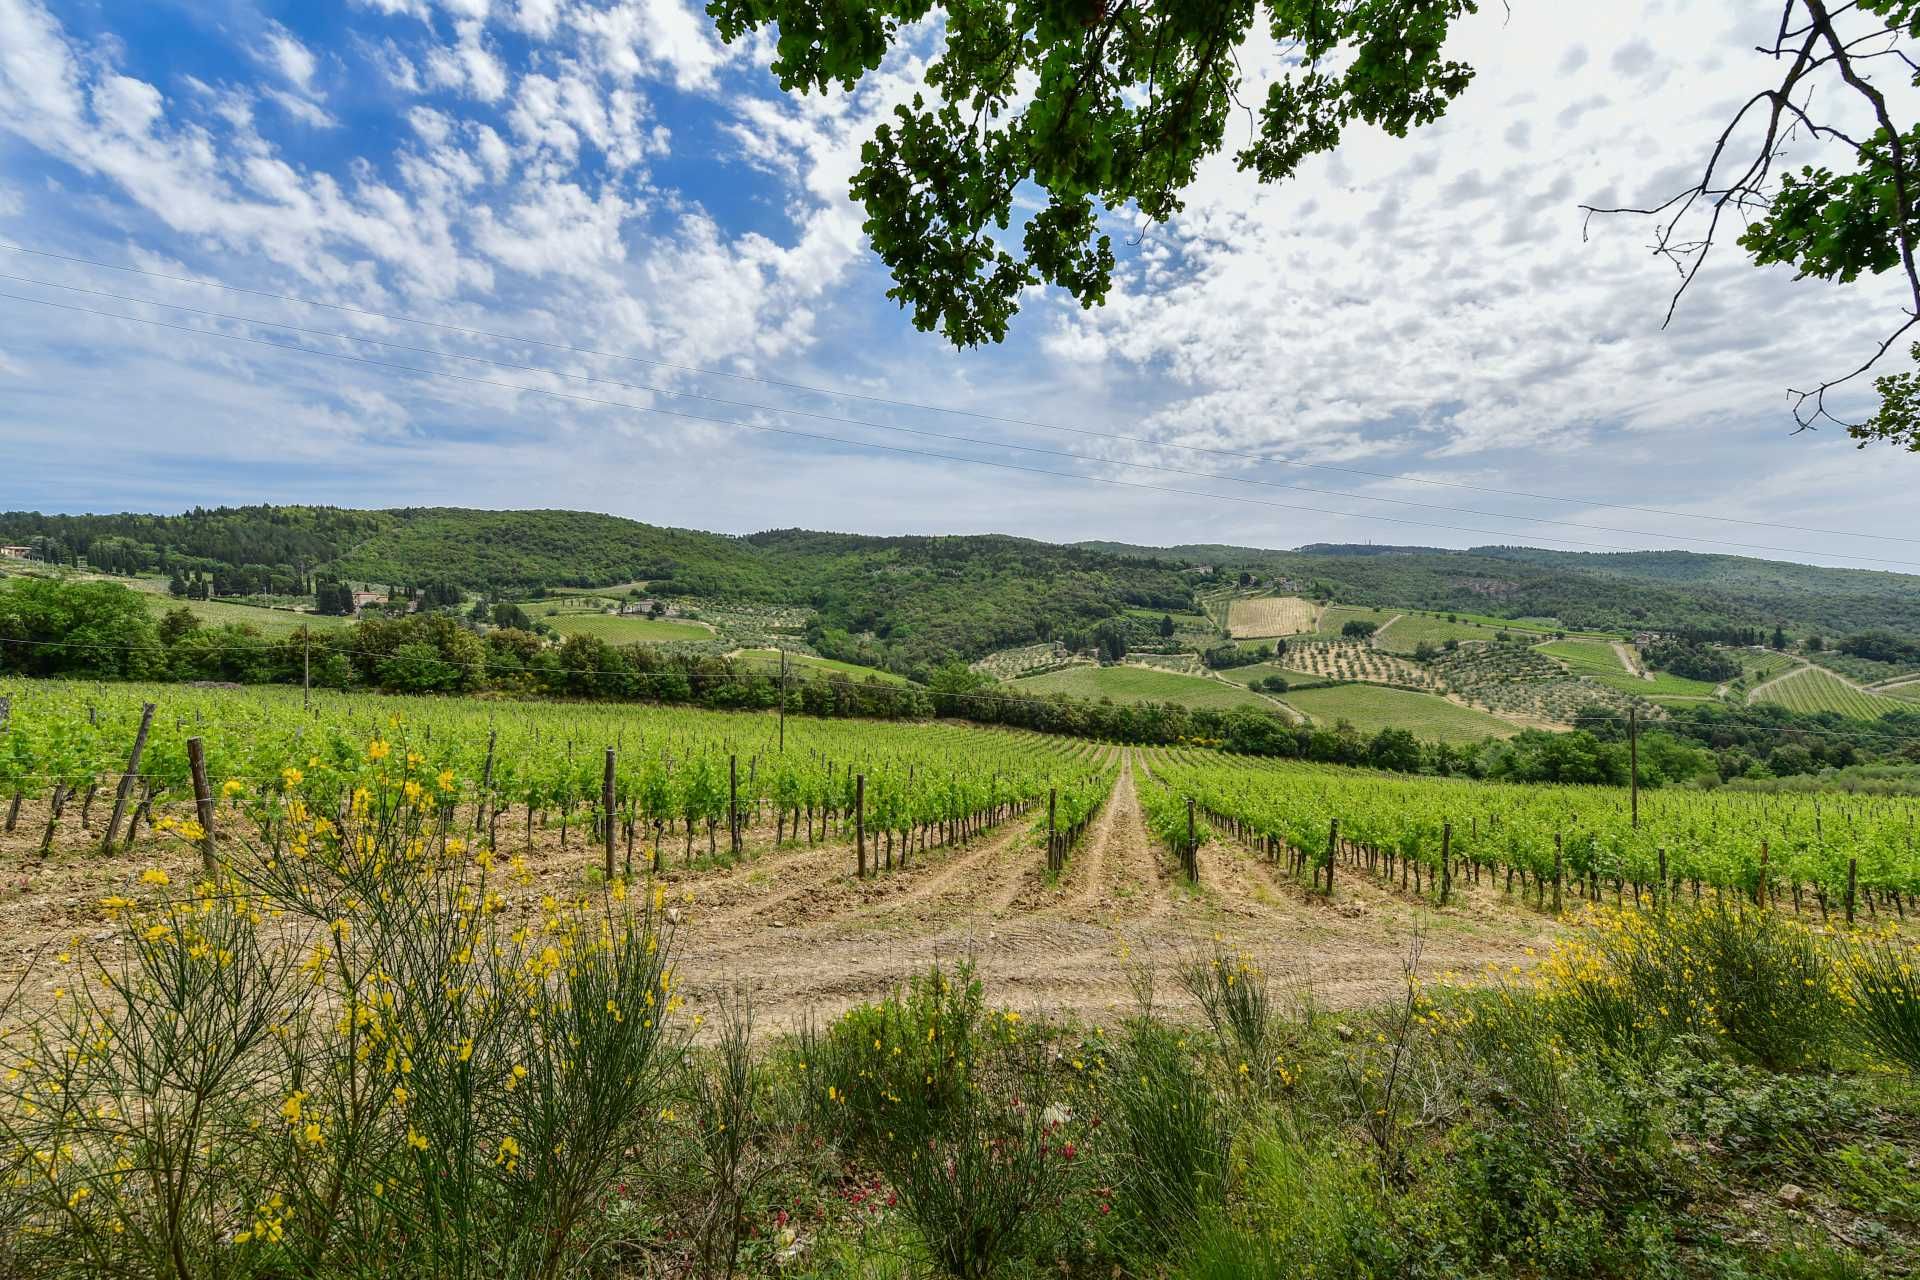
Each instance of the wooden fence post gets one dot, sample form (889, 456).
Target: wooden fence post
(1853, 878)
(606, 814)
(733, 800)
(126, 779)
(202, 801)
(1446, 861)
(1760, 890)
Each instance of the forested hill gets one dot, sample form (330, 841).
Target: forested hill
(910, 601)
(1602, 591)
(905, 602)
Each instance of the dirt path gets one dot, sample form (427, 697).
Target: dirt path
(1624, 652)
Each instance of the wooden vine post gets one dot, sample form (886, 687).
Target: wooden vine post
(1053, 840)
(1446, 862)
(1556, 873)
(1853, 879)
(1333, 847)
(202, 801)
(606, 815)
(126, 779)
(486, 782)
(1193, 850)
(860, 824)
(733, 801)
(1760, 890)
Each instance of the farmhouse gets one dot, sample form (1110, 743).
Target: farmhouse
(16, 553)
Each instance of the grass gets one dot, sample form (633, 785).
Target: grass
(1139, 684)
(1596, 660)
(272, 622)
(1406, 635)
(1192, 621)
(1261, 670)
(1339, 615)
(617, 630)
(1586, 657)
(1812, 689)
(805, 663)
(1373, 707)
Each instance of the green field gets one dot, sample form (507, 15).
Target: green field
(617, 630)
(1139, 684)
(1339, 615)
(1595, 660)
(217, 613)
(1756, 666)
(1370, 707)
(806, 663)
(1261, 670)
(1812, 689)
(1407, 634)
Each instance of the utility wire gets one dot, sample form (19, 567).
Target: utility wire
(843, 420)
(979, 415)
(833, 439)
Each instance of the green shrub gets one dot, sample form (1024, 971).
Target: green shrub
(1168, 1135)
(1886, 1001)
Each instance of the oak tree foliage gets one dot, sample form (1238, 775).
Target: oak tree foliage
(1083, 106)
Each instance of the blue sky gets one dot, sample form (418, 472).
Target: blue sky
(605, 175)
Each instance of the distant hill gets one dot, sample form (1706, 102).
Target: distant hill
(1588, 590)
(909, 603)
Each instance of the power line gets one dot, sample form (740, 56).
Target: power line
(913, 431)
(832, 439)
(979, 415)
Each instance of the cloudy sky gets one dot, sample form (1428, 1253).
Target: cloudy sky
(1413, 343)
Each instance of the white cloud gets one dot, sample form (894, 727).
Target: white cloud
(293, 59)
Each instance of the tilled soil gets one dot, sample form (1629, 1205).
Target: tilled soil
(794, 928)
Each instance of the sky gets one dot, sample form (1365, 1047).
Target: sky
(647, 293)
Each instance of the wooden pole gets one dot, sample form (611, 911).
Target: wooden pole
(202, 801)
(126, 779)
(1853, 878)
(1333, 847)
(860, 823)
(783, 702)
(606, 813)
(1664, 883)
(733, 800)
(1446, 861)
(306, 668)
(1760, 890)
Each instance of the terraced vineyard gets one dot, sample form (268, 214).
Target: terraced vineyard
(1816, 689)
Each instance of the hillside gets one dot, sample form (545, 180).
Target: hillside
(1662, 590)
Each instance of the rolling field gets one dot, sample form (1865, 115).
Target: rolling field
(1407, 634)
(218, 613)
(1812, 689)
(1370, 708)
(1138, 684)
(1339, 615)
(1261, 670)
(1270, 616)
(617, 630)
(803, 663)
(1596, 660)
